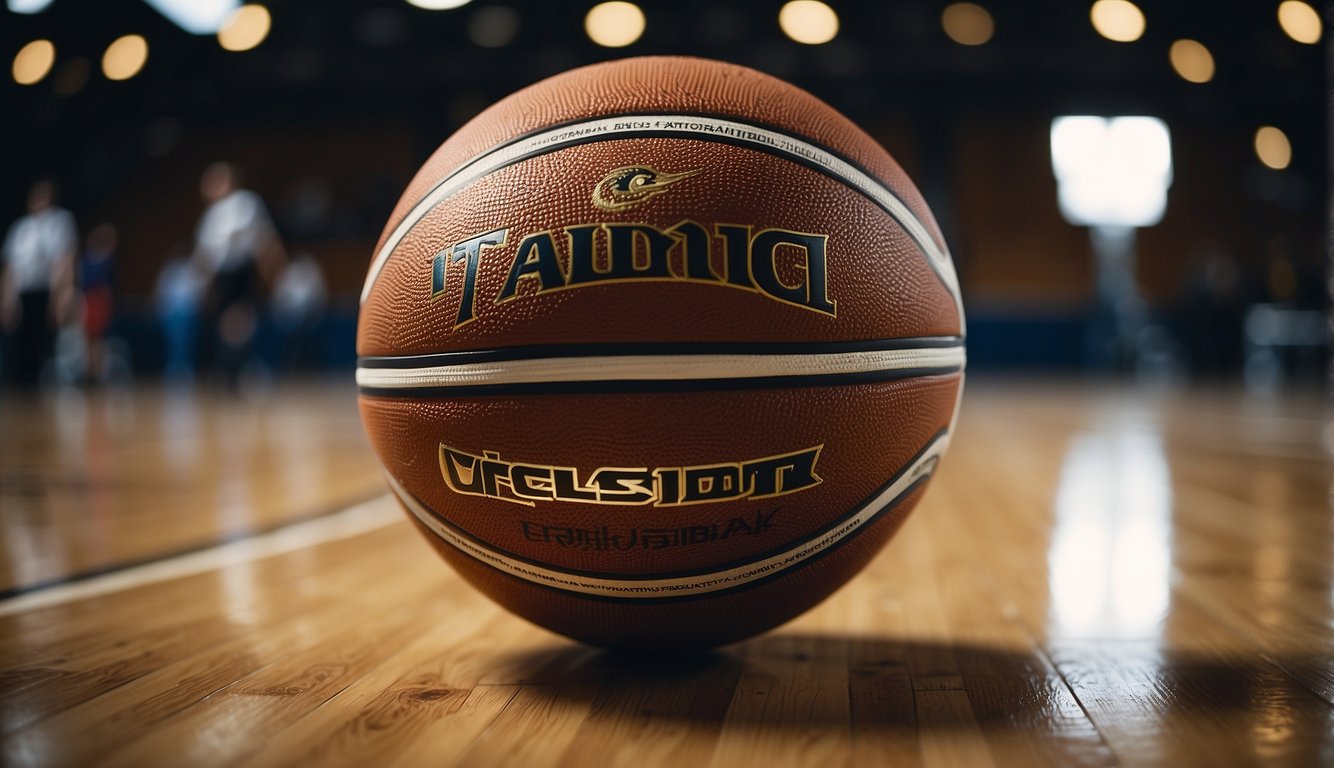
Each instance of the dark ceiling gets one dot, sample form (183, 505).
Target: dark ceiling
(349, 60)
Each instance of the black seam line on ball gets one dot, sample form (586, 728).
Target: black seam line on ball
(761, 581)
(773, 127)
(632, 349)
(743, 144)
(779, 129)
(656, 385)
(892, 504)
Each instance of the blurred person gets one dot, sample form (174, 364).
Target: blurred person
(236, 249)
(95, 280)
(177, 296)
(37, 287)
(1214, 304)
(299, 299)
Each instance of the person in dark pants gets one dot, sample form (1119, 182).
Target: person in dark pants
(37, 288)
(236, 248)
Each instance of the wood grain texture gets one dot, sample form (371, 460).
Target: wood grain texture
(1098, 577)
(100, 480)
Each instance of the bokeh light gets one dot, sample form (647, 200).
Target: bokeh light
(967, 23)
(1119, 20)
(1299, 21)
(198, 17)
(33, 62)
(1111, 172)
(614, 24)
(246, 28)
(28, 6)
(1273, 148)
(125, 57)
(439, 5)
(808, 21)
(1192, 61)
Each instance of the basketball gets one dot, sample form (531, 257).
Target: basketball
(659, 353)
(660, 318)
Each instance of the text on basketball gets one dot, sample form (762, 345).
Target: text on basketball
(780, 264)
(488, 475)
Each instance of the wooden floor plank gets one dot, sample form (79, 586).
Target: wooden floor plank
(1099, 576)
(1157, 707)
(454, 733)
(964, 640)
(102, 478)
(89, 670)
(532, 729)
(790, 704)
(950, 733)
(401, 705)
(648, 712)
(267, 701)
(103, 721)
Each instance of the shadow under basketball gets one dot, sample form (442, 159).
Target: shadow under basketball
(882, 685)
(819, 677)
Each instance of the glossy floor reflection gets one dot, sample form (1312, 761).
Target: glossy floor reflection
(1110, 554)
(92, 481)
(1098, 576)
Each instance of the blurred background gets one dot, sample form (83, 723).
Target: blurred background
(1131, 189)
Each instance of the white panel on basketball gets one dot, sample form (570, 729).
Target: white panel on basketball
(660, 368)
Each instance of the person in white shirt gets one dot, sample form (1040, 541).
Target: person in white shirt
(236, 247)
(37, 285)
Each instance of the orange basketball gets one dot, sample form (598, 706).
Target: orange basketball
(660, 352)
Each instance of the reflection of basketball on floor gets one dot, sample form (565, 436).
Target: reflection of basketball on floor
(660, 352)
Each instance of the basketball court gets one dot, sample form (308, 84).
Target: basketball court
(1100, 576)
(796, 383)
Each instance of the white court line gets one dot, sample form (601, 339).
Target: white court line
(353, 521)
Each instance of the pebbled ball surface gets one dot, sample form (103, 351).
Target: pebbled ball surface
(880, 282)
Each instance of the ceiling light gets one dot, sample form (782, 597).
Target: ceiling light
(615, 24)
(808, 21)
(1300, 21)
(198, 17)
(125, 57)
(439, 5)
(33, 62)
(1192, 61)
(1119, 20)
(28, 6)
(246, 28)
(967, 23)
(1273, 148)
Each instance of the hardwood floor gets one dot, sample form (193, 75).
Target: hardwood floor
(1098, 576)
(93, 482)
